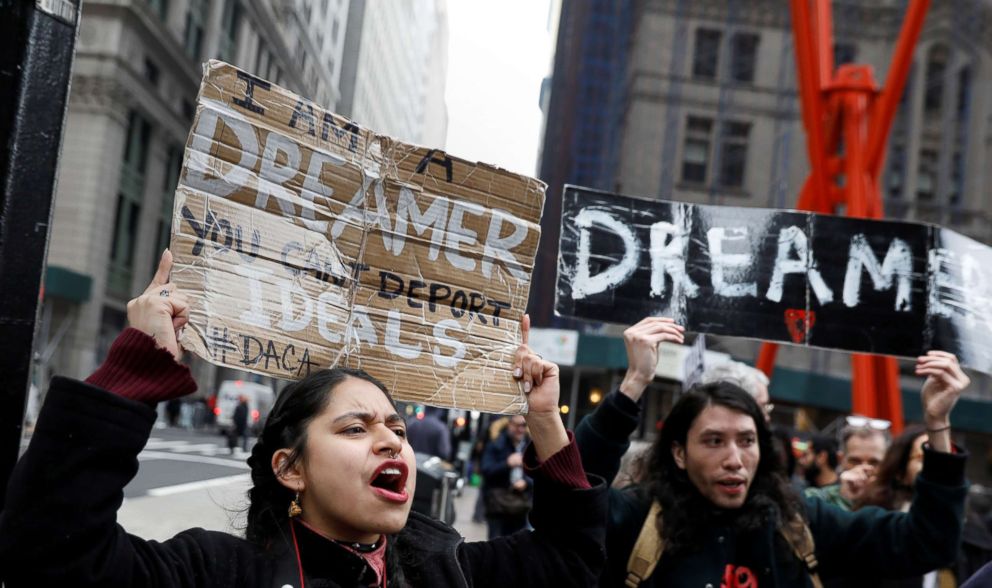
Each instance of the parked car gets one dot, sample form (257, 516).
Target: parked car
(260, 398)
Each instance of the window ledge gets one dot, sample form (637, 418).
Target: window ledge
(720, 190)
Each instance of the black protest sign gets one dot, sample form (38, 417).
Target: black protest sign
(884, 287)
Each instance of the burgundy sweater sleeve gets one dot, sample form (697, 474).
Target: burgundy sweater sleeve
(138, 369)
(564, 467)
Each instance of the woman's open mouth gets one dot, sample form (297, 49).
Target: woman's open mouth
(389, 481)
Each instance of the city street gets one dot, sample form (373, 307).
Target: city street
(188, 479)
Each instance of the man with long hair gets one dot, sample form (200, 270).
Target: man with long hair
(715, 508)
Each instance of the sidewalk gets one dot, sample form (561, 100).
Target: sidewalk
(464, 506)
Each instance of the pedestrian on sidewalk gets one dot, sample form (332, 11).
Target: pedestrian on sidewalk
(239, 426)
(506, 490)
(332, 485)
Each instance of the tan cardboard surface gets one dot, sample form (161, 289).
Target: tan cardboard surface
(306, 242)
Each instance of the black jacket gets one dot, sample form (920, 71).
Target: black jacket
(59, 526)
(495, 471)
(870, 542)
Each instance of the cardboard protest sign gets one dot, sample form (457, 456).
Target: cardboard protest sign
(884, 287)
(306, 242)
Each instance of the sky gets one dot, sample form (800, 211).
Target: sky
(498, 53)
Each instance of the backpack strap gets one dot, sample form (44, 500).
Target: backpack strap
(650, 546)
(648, 549)
(799, 537)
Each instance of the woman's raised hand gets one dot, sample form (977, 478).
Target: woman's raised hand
(539, 380)
(161, 311)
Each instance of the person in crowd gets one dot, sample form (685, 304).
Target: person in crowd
(892, 489)
(715, 509)
(429, 434)
(239, 426)
(750, 379)
(632, 465)
(488, 431)
(820, 462)
(172, 409)
(755, 382)
(981, 579)
(331, 494)
(507, 488)
(864, 441)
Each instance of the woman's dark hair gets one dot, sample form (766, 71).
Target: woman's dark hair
(887, 488)
(687, 514)
(286, 427)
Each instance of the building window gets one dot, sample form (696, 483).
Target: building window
(264, 62)
(334, 31)
(733, 153)
(151, 72)
(188, 109)
(897, 173)
(926, 177)
(732, 147)
(173, 165)
(742, 60)
(229, 24)
(707, 53)
(957, 179)
(964, 93)
(129, 197)
(160, 7)
(845, 53)
(696, 151)
(196, 16)
(936, 68)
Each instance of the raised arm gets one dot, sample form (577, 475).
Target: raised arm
(890, 544)
(604, 436)
(941, 390)
(539, 381)
(567, 545)
(59, 526)
(641, 341)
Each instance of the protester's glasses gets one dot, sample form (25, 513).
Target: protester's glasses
(865, 422)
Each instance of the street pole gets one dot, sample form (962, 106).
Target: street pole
(37, 40)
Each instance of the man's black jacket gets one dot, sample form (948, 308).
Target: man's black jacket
(870, 541)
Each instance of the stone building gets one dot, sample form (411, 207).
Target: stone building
(697, 101)
(134, 85)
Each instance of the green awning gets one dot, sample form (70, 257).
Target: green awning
(64, 283)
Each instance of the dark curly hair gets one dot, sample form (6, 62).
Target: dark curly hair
(286, 427)
(686, 514)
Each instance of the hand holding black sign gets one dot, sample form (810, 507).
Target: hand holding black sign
(882, 287)
(641, 341)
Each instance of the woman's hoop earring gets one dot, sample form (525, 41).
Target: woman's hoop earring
(294, 507)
